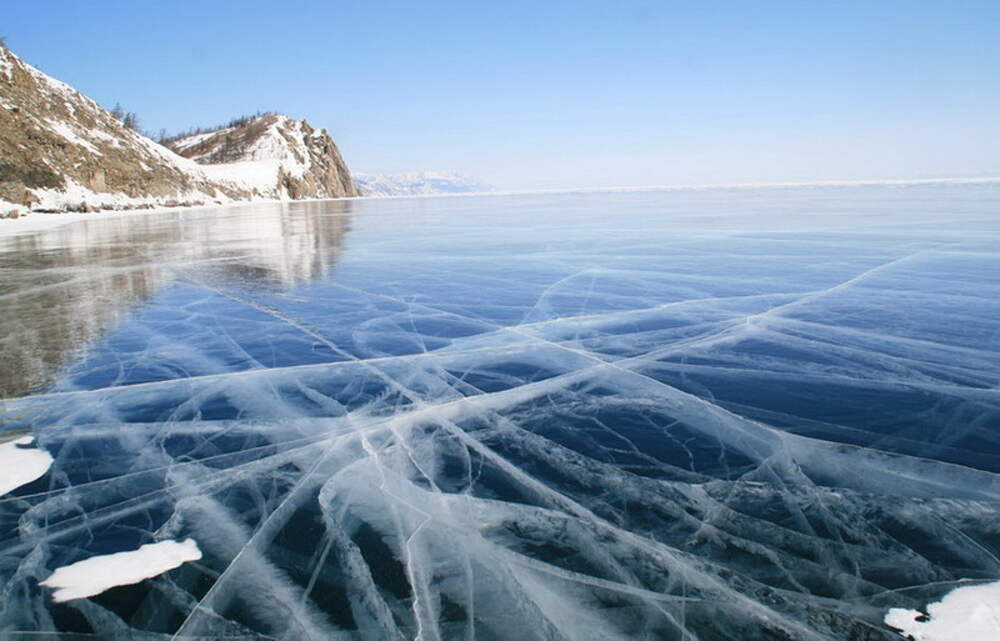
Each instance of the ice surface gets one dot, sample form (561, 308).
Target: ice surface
(100, 573)
(693, 415)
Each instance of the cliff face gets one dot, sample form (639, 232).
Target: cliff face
(60, 150)
(272, 156)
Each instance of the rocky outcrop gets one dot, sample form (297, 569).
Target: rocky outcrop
(272, 156)
(59, 150)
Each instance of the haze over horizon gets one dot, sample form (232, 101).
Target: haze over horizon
(559, 95)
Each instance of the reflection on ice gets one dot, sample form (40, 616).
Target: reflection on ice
(62, 289)
(737, 415)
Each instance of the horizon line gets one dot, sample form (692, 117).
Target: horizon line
(696, 186)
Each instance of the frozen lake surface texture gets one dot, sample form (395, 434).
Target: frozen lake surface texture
(693, 415)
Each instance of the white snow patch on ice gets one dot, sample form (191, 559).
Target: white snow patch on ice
(99, 573)
(21, 465)
(969, 613)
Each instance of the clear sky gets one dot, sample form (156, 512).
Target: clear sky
(558, 94)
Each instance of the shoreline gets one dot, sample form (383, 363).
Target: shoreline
(37, 221)
(888, 182)
(32, 222)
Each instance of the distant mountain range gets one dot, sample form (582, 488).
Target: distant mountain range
(417, 183)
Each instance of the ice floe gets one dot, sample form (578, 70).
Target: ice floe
(99, 573)
(21, 465)
(970, 613)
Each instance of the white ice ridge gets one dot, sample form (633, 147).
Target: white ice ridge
(970, 613)
(99, 573)
(21, 465)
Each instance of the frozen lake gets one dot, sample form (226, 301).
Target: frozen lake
(712, 415)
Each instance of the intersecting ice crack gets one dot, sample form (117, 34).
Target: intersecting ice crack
(519, 427)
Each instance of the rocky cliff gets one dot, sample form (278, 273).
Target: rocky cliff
(61, 151)
(272, 156)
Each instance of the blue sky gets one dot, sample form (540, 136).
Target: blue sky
(559, 94)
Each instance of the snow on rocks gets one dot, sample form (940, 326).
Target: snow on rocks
(272, 156)
(67, 153)
(67, 132)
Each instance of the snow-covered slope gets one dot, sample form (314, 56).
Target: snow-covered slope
(60, 150)
(417, 183)
(272, 156)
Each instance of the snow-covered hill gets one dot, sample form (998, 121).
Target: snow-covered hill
(61, 151)
(417, 183)
(272, 156)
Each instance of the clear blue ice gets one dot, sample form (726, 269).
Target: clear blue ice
(712, 415)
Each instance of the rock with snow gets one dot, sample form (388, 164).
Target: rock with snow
(272, 156)
(61, 151)
(417, 183)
